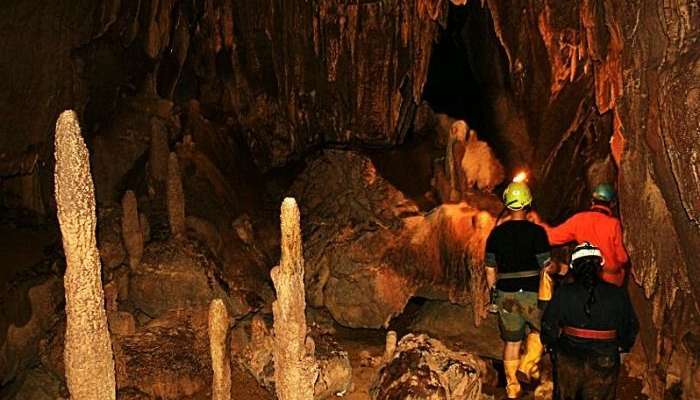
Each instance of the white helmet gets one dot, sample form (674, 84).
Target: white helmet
(583, 250)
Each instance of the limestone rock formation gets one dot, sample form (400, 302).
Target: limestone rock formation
(252, 345)
(175, 199)
(132, 234)
(88, 351)
(218, 348)
(423, 368)
(178, 275)
(295, 367)
(369, 250)
(481, 168)
(167, 359)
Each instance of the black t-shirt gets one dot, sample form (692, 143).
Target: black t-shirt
(516, 245)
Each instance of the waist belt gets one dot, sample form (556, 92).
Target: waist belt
(519, 274)
(589, 333)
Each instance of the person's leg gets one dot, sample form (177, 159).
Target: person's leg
(601, 377)
(569, 371)
(511, 360)
(512, 326)
(529, 370)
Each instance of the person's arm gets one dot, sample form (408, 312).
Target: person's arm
(550, 321)
(564, 233)
(627, 332)
(490, 262)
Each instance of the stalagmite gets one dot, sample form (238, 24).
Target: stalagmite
(458, 131)
(132, 234)
(175, 199)
(295, 368)
(158, 153)
(390, 346)
(88, 355)
(218, 332)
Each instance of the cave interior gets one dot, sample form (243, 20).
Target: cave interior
(200, 118)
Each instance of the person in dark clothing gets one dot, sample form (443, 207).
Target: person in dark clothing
(587, 324)
(515, 253)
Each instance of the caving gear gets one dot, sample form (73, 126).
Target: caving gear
(592, 334)
(529, 368)
(583, 250)
(588, 322)
(517, 196)
(546, 287)
(599, 227)
(513, 389)
(604, 192)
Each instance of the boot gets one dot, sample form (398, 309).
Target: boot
(512, 384)
(529, 370)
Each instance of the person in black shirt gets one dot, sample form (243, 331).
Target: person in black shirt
(587, 324)
(516, 251)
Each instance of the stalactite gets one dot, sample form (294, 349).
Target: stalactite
(132, 234)
(295, 368)
(88, 355)
(175, 199)
(218, 332)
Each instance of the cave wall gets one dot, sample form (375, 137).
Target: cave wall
(630, 70)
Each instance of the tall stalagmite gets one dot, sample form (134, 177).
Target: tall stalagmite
(218, 332)
(132, 234)
(88, 355)
(295, 367)
(175, 199)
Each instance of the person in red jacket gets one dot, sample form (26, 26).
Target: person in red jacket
(599, 227)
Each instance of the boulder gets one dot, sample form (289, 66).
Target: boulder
(368, 249)
(423, 368)
(178, 275)
(455, 322)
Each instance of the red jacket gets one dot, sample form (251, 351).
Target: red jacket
(599, 227)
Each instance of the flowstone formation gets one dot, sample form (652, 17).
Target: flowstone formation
(420, 367)
(89, 361)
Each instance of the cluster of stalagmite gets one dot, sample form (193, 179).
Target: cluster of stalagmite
(88, 354)
(175, 199)
(295, 366)
(132, 233)
(218, 333)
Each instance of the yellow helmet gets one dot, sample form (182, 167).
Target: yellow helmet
(517, 196)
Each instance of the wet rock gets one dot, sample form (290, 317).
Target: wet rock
(423, 368)
(252, 347)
